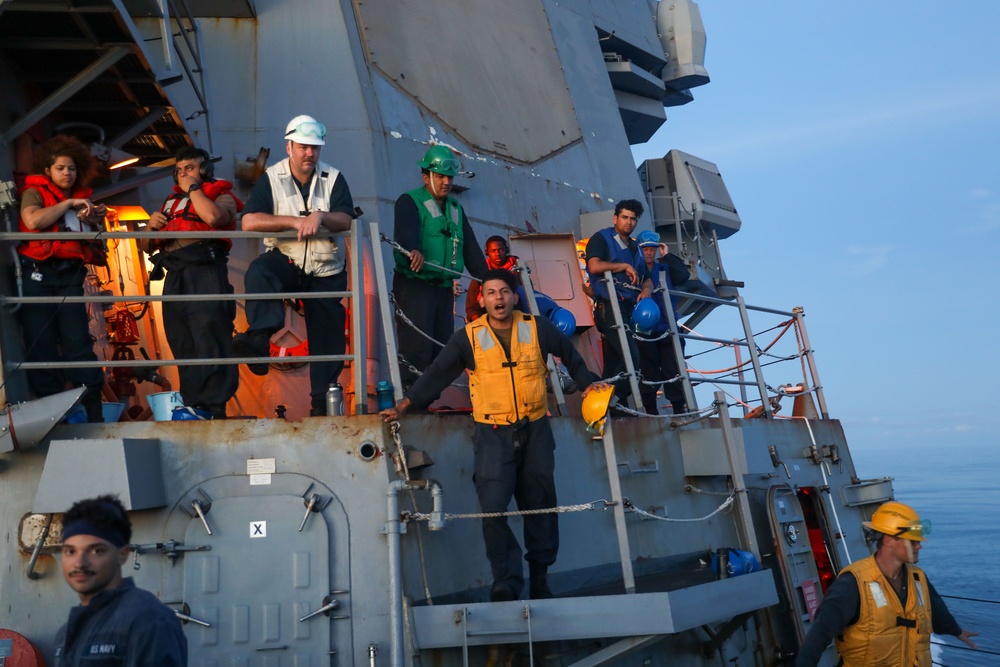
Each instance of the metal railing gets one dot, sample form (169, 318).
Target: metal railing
(747, 342)
(357, 356)
(810, 378)
(359, 317)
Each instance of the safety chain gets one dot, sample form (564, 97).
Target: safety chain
(582, 507)
(697, 414)
(630, 286)
(627, 504)
(394, 428)
(643, 339)
(396, 246)
(657, 383)
(615, 378)
(413, 369)
(790, 357)
(401, 315)
(410, 367)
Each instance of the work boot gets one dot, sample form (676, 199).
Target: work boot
(502, 592)
(253, 344)
(538, 585)
(318, 407)
(91, 402)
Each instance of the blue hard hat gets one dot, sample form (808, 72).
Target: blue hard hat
(545, 305)
(645, 315)
(184, 413)
(564, 321)
(647, 238)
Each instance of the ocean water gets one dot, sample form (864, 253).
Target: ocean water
(958, 489)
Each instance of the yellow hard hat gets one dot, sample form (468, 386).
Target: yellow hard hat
(899, 520)
(595, 408)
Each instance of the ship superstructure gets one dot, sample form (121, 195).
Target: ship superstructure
(284, 539)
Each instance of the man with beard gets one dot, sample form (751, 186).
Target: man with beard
(299, 193)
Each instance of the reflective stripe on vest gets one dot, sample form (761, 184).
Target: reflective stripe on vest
(503, 391)
(442, 239)
(315, 256)
(887, 633)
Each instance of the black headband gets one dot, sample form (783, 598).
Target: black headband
(87, 527)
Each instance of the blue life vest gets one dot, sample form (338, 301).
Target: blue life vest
(616, 254)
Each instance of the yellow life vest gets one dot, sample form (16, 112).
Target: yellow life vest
(503, 391)
(886, 634)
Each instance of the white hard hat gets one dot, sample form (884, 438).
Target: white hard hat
(305, 130)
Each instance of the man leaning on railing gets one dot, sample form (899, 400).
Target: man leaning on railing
(303, 194)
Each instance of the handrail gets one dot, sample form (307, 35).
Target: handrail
(359, 317)
(357, 357)
(796, 313)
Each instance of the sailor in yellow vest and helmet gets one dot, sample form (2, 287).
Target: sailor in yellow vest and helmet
(514, 449)
(432, 226)
(881, 610)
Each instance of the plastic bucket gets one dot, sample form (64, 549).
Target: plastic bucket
(112, 412)
(163, 403)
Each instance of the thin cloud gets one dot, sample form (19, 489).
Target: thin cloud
(985, 218)
(870, 259)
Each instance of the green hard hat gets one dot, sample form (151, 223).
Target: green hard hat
(441, 160)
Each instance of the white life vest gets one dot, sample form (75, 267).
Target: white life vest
(315, 256)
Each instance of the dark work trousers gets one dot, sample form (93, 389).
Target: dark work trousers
(201, 330)
(614, 361)
(273, 272)
(57, 331)
(431, 308)
(657, 361)
(521, 468)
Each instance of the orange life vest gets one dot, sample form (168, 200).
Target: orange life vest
(181, 216)
(49, 247)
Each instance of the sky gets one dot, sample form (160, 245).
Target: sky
(860, 142)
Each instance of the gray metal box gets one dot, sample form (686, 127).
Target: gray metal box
(78, 469)
(704, 453)
(868, 492)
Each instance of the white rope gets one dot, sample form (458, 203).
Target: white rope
(582, 507)
(632, 508)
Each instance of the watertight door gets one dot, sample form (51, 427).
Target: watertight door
(261, 576)
(794, 555)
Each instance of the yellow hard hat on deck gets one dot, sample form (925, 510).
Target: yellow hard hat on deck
(595, 408)
(899, 520)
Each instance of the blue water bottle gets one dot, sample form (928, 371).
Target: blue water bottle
(386, 398)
